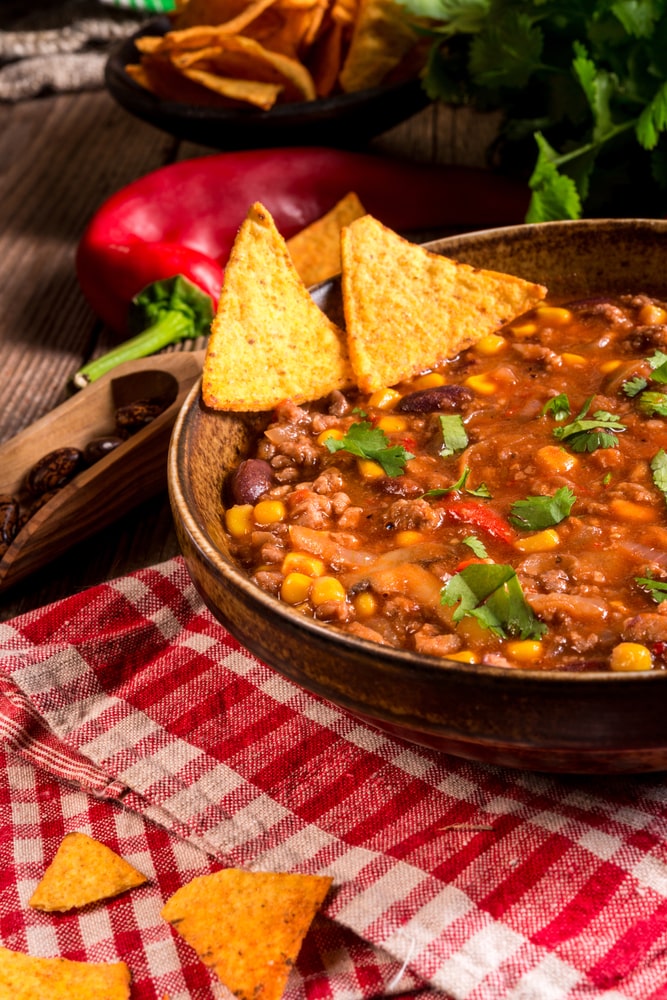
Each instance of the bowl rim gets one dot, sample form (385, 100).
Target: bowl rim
(392, 658)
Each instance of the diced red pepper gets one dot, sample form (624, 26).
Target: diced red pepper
(480, 516)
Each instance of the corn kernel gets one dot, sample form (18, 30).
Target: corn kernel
(326, 588)
(553, 458)
(524, 650)
(295, 588)
(524, 329)
(628, 510)
(370, 469)
(239, 520)
(573, 359)
(491, 344)
(463, 656)
(269, 511)
(652, 315)
(330, 434)
(481, 384)
(407, 537)
(429, 381)
(365, 604)
(392, 423)
(607, 367)
(302, 562)
(384, 399)
(543, 541)
(553, 315)
(631, 656)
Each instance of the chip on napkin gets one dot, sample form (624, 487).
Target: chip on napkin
(83, 871)
(269, 341)
(315, 250)
(25, 977)
(247, 926)
(407, 309)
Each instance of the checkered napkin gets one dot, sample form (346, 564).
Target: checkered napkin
(129, 713)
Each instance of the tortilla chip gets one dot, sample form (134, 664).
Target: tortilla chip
(381, 39)
(316, 249)
(256, 92)
(83, 871)
(407, 309)
(247, 926)
(25, 977)
(160, 77)
(269, 341)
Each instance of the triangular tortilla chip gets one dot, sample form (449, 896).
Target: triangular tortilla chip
(83, 871)
(25, 977)
(315, 250)
(407, 309)
(269, 341)
(247, 926)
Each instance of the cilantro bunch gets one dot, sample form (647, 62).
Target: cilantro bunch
(583, 88)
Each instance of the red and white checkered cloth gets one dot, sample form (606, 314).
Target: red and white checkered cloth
(129, 713)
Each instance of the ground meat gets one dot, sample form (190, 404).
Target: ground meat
(339, 405)
(334, 611)
(310, 509)
(364, 632)
(411, 515)
(428, 640)
(350, 518)
(269, 580)
(329, 481)
(651, 627)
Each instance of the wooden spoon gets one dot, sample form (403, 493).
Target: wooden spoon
(135, 471)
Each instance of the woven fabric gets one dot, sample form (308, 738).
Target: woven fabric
(451, 879)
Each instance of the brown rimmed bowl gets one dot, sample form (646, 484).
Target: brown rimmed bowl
(545, 721)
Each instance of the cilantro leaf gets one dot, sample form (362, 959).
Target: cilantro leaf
(588, 435)
(554, 195)
(634, 386)
(653, 120)
(558, 407)
(476, 545)
(480, 491)
(657, 589)
(659, 470)
(366, 441)
(454, 435)
(653, 403)
(539, 512)
(492, 594)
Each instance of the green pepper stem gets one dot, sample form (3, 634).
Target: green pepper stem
(170, 329)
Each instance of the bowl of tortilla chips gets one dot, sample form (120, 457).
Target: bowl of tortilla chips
(274, 339)
(238, 74)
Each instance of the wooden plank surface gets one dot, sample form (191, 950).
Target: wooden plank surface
(60, 158)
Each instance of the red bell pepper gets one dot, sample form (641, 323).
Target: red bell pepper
(182, 219)
(480, 516)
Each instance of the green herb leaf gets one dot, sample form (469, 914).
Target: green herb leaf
(558, 407)
(554, 195)
(634, 386)
(653, 404)
(476, 545)
(454, 435)
(539, 512)
(653, 120)
(366, 441)
(459, 486)
(657, 589)
(659, 470)
(492, 594)
(583, 435)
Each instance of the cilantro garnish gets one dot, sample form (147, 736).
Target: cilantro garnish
(634, 385)
(536, 513)
(653, 404)
(476, 545)
(459, 486)
(658, 364)
(454, 437)
(558, 407)
(599, 431)
(656, 588)
(659, 470)
(366, 441)
(492, 594)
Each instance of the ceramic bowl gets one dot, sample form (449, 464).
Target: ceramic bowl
(549, 721)
(344, 121)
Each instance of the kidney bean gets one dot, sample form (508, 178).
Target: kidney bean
(133, 417)
(9, 519)
(54, 470)
(439, 398)
(99, 448)
(251, 480)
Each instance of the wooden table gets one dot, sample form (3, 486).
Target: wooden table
(60, 158)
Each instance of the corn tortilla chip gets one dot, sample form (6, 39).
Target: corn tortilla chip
(247, 926)
(407, 309)
(269, 341)
(315, 250)
(256, 92)
(381, 39)
(83, 871)
(25, 977)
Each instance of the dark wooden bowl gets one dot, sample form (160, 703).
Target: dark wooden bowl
(549, 721)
